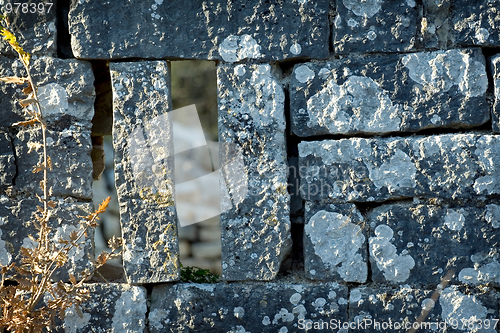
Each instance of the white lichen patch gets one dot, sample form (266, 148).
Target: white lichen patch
(337, 242)
(460, 308)
(481, 274)
(399, 172)
(454, 220)
(492, 215)
(53, 100)
(130, 311)
(5, 256)
(73, 322)
(439, 71)
(482, 35)
(239, 312)
(303, 74)
(359, 104)
(396, 268)
(366, 8)
(296, 49)
(235, 48)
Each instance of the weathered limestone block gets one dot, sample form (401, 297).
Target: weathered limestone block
(34, 24)
(375, 26)
(16, 223)
(65, 90)
(143, 142)
(419, 244)
(435, 24)
(334, 243)
(397, 310)
(215, 30)
(495, 114)
(441, 89)
(450, 166)
(245, 307)
(113, 307)
(255, 219)
(476, 23)
(7, 162)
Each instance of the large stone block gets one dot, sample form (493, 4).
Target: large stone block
(375, 26)
(34, 24)
(335, 243)
(495, 114)
(453, 167)
(112, 307)
(255, 221)
(476, 23)
(215, 30)
(419, 244)
(245, 307)
(143, 143)
(407, 93)
(17, 222)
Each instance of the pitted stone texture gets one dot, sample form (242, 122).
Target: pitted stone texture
(419, 244)
(143, 142)
(495, 114)
(16, 223)
(451, 167)
(214, 30)
(397, 309)
(65, 88)
(442, 89)
(255, 222)
(112, 307)
(435, 24)
(34, 29)
(7, 162)
(476, 23)
(245, 307)
(375, 26)
(334, 243)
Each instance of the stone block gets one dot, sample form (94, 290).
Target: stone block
(17, 222)
(255, 221)
(245, 307)
(476, 23)
(495, 114)
(335, 243)
(419, 244)
(453, 167)
(263, 31)
(394, 93)
(375, 26)
(112, 307)
(143, 143)
(34, 25)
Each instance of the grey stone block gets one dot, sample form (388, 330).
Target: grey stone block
(375, 26)
(213, 30)
(112, 307)
(65, 88)
(374, 309)
(419, 244)
(143, 143)
(7, 162)
(495, 114)
(335, 243)
(17, 222)
(33, 26)
(245, 307)
(476, 23)
(255, 204)
(451, 167)
(435, 25)
(412, 92)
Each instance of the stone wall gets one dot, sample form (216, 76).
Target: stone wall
(359, 159)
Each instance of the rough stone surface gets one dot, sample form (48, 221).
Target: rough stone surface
(201, 30)
(66, 91)
(397, 310)
(476, 23)
(255, 222)
(143, 144)
(248, 307)
(16, 223)
(334, 243)
(7, 162)
(435, 24)
(451, 167)
(495, 114)
(375, 26)
(441, 89)
(34, 27)
(112, 308)
(419, 244)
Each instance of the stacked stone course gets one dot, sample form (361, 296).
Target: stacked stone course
(358, 148)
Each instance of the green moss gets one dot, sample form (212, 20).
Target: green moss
(198, 275)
